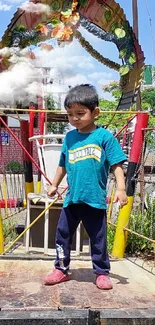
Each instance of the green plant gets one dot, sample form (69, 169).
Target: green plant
(56, 127)
(144, 225)
(9, 231)
(14, 167)
(110, 238)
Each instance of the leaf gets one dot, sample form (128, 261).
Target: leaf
(120, 33)
(124, 70)
(21, 28)
(114, 26)
(55, 22)
(66, 13)
(108, 15)
(55, 6)
(37, 27)
(143, 246)
(132, 58)
(83, 3)
(122, 53)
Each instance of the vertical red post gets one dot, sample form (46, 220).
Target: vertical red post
(28, 170)
(133, 166)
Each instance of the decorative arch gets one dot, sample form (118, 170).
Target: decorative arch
(103, 18)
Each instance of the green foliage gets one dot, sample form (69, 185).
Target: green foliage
(83, 3)
(132, 58)
(124, 69)
(55, 6)
(122, 53)
(51, 103)
(142, 224)
(108, 15)
(67, 12)
(21, 28)
(55, 22)
(110, 238)
(9, 231)
(120, 32)
(39, 26)
(14, 167)
(114, 26)
(147, 102)
(54, 127)
(148, 97)
(114, 89)
(107, 105)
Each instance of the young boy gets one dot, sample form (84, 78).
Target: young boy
(87, 153)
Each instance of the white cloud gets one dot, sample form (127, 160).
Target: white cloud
(83, 62)
(13, 1)
(37, 8)
(77, 80)
(63, 61)
(4, 7)
(100, 75)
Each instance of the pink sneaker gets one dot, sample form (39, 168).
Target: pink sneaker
(103, 282)
(54, 277)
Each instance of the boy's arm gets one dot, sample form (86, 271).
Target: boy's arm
(59, 175)
(120, 180)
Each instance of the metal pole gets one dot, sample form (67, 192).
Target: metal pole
(1, 234)
(135, 17)
(136, 32)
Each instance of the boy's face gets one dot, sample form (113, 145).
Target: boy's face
(81, 117)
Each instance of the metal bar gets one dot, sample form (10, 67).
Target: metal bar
(23, 148)
(64, 112)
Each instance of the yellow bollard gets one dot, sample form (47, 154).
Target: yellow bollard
(38, 187)
(1, 235)
(121, 235)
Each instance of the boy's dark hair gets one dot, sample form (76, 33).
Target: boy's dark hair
(84, 94)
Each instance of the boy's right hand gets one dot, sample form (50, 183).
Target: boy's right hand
(52, 190)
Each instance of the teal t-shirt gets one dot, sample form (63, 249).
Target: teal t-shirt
(87, 158)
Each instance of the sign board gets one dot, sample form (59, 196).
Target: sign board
(5, 138)
(147, 75)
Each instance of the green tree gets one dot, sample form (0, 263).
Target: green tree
(148, 99)
(115, 122)
(54, 127)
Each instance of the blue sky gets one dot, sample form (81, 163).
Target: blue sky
(88, 69)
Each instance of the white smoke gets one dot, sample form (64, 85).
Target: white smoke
(59, 68)
(37, 8)
(14, 82)
(10, 51)
(5, 52)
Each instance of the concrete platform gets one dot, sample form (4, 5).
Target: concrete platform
(24, 297)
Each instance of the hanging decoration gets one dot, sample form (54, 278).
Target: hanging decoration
(103, 18)
(85, 44)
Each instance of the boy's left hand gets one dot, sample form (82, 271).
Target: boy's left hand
(120, 195)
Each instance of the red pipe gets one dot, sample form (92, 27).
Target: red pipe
(30, 157)
(120, 131)
(138, 137)
(32, 116)
(11, 203)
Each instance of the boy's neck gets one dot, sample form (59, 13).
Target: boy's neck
(89, 128)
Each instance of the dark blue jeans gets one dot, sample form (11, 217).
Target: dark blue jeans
(95, 223)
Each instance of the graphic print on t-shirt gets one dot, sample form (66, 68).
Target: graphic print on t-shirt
(85, 152)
